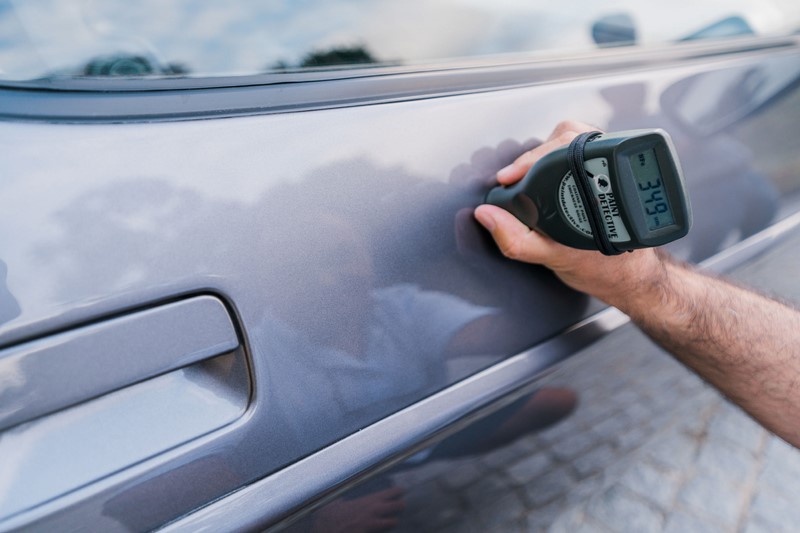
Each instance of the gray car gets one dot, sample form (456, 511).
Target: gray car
(241, 285)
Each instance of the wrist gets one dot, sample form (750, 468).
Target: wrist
(665, 303)
(644, 282)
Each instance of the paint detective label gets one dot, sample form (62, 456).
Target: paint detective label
(572, 207)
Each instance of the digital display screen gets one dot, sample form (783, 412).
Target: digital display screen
(650, 186)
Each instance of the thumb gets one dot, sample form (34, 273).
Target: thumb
(515, 239)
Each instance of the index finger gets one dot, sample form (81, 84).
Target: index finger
(562, 135)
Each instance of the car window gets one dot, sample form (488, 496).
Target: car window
(147, 38)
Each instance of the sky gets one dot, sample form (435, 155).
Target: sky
(239, 37)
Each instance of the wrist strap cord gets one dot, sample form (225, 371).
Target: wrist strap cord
(582, 179)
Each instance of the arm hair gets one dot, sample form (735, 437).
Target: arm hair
(744, 344)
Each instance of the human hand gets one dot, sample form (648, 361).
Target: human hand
(475, 175)
(610, 278)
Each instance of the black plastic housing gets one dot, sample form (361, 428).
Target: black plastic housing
(534, 199)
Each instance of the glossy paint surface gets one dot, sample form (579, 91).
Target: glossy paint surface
(644, 435)
(343, 242)
(131, 348)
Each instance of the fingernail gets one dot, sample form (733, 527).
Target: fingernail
(486, 219)
(505, 172)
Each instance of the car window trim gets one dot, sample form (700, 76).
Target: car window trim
(111, 100)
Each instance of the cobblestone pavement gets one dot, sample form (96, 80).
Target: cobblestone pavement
(650, 448)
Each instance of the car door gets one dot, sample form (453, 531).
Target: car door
(228, 298)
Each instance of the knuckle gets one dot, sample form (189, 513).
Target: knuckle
(526, 157)
(567, 126)
(561, 126)
(566, 137)
(511, 248)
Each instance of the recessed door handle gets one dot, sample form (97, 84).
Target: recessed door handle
(58, 371)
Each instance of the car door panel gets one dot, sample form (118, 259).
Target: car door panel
(84, 404)
(318, 228)
(131, 348)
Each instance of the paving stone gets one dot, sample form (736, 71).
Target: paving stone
(726, 461)
(549, 486)
(707, 395)
(586, 415)
(781, 453)
(695, 421)
(780, 476)
(559, 433)
(664, 384)
(712, 498)
(776, 508)
(628, 398)
(682, 522)
(526, 445)
(422, 495)
(507, 509)
(594, 461)
(487, 489)
(512, 526)
(576, 521)
(608, 389)
(780, 449)
(730, 411)
(428, 507)
(468, 523)
(664, 419)
(739, 429)
(633, 437)
(652, 483)
(674, 450)
(541, 518)
(636, 412)
(426, 504)
(759, 525)
(440, 516)
(586, 489)
(675, 457)
(690, 382)
(574, 445)
(501, 457)
(612, 426)
(528, 468)
(620, 510)
(462, 475)
(567, 522)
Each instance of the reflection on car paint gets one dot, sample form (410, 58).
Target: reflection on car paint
(720, 173)
(313, 225)
(9, 307)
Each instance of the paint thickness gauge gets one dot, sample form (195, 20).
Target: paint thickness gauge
(612, 192)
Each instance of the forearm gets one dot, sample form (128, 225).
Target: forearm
(746, 345)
